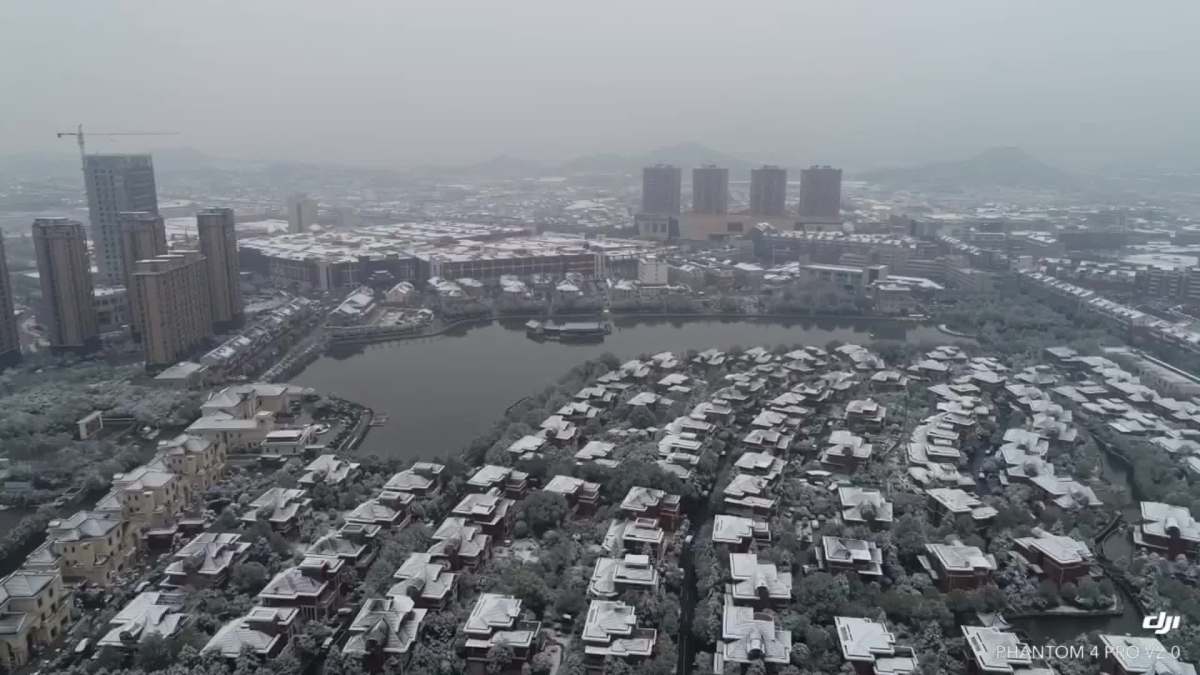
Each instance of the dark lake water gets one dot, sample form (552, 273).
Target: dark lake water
(441, 393)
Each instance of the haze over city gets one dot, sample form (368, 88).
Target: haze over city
(403, 84)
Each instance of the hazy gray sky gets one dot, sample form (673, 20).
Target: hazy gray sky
(404, 82)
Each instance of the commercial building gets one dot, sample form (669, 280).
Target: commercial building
(661, 187)
(218, 244)
(174, 310)
(768, 191)
(67, 311)
(710, 190)
(10, 338)
(143, 236)
(115, 184)
(301, 213)
(821, 194)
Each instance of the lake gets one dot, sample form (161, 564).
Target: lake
(441, 393)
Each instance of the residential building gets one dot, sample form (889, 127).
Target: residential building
(1136, 655)
(196, 460)
(496, 620)
(493, 514)
(301, 213)
(747, 495)
(710, 190)
(314, 587)
(757, 584)
(1167, 529)
(91, 546)
(1058, 558)
(116, 184)
(854, 556)
(661, 187)
(35, 608)
(740, 534)
(613, 577)
(820, 195)
(957, 503)
(147, 497)
(748, 636)
(429, 583)
(581, 495)
(865, 414)
(870, 648)
(643, 503)
(10, 338)
(173, 306)
(768, 191)
(610, 631)
(327, 469)
(264, 632)
(354, 544)
(151, 614)
(957, 567)
(423, 479)
(143, 236)
(218, 244)
(280, 508)
(64, 272)
(390, 510)
(846, 452)
(515, 484)
(206, 561)
(864, 506)
(994, 652)
(384, 628)
(640, 536)
(460, 544)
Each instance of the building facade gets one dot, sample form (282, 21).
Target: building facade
(143, 235)
(768, 191)
(661, 187)
(67, 311)
(116, 183)
(710, 190)
(821, 194)
(174, 309)
(10, 338)
(218, 244)
(301, 213)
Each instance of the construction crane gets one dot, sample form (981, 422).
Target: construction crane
(78, 134)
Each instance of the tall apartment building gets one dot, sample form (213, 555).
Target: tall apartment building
(67, 312)
(176, 311)
(710, 190)
(10, 338)
(116, 183)
(218, 243)
(661, 187)
(301, 213)
(143, 236)
(768, 191)
(821, 194)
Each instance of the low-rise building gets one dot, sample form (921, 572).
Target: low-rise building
(351, 545)
(740, 534)
(957, 503)
(314, 587)
(206, 560)
(957, 567)
(838, 555)
(264, 632)
(1055, 557)
(747, 495)
(460, 544)
(748, 636)
(196, 460)
(846, 452)
(496, 620)
(640, 536)
(865, 415)
(1136, 655)
(861, 506)
(870, 648)
(757, 584)
(993, 651)
(280, 508)
(384, 628)
(581, 495)
(610, 631)
(34, 610)
(490, 512)
(92, 546)
(514, 484)
(423, 479)
(429, 583)
(327, 469)
(644, 502)
(612, 577)
(151, 613)
(389, 510)
(1168, 529)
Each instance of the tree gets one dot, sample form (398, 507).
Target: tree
(154, 652)
(499, 659)
(543, 510)
(249, 576)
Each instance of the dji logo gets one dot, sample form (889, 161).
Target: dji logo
(1161, 623)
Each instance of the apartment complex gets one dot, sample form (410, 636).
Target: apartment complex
(821, 194)
(143, 236)
(174, 308)
(67, 309)
(710, 190)
(116, 184)
(218, 244)
(768, 191)
(661, 186)
(10, 338)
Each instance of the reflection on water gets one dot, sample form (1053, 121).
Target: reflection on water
(440, 393)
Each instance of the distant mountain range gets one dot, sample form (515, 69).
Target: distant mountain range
(995, 168)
